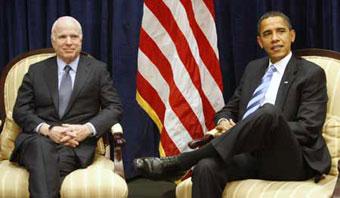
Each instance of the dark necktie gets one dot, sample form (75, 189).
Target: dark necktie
(65, 90)
(260, 92)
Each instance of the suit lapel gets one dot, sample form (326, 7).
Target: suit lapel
(51, 79)
(286, 81)
(82, 76)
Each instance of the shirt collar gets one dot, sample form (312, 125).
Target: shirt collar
(282, 64)
(73, 64)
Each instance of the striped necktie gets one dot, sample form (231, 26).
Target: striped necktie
(260, 92)
(65, 90)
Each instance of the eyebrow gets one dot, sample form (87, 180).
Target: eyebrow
(278, 28)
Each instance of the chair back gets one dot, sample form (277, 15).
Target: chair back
(330, 62)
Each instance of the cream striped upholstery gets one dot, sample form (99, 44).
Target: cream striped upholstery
(260, 188)
(97, 180)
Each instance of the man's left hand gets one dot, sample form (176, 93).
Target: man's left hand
(79, 131)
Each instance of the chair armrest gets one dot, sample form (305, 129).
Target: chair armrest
(336, 192)
(196, 143)
(119, 142)
(117, 134)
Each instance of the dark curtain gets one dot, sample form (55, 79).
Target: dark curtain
(111, 34)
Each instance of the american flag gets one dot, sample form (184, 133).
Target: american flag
(179, 82)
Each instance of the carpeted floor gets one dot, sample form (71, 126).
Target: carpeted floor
(146, 188)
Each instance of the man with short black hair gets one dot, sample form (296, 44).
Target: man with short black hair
(270, 128)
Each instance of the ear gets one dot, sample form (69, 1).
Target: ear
(259, 41)
(53, 43)
(292, 35)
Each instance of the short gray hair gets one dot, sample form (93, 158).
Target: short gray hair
(63, 18)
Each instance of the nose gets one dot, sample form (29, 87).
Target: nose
(68, 40)
(275, 37)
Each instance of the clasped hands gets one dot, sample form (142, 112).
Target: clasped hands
(67, 134)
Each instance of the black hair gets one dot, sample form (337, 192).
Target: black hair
(273, 14)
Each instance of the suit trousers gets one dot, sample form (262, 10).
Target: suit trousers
(47, 163)
(262, 146)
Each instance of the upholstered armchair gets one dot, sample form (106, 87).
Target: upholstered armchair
(101, 179)
(327, 187)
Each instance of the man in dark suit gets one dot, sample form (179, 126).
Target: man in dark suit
(279, 109)
(65, 103)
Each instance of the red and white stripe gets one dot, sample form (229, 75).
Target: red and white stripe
(179, 83)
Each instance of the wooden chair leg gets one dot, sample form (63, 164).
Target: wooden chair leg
(336, 192)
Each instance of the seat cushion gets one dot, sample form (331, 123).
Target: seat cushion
(13, 180)
(97, 180)
(261, 188)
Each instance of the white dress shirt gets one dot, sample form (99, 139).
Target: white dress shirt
(270, 96)
(61, 65)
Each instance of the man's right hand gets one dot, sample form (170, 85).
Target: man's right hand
(59, 135)
(223, 126)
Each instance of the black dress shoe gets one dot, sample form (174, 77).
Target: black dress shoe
(166, 168)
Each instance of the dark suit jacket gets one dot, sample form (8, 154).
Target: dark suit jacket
(93, 100)
(302, 98)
